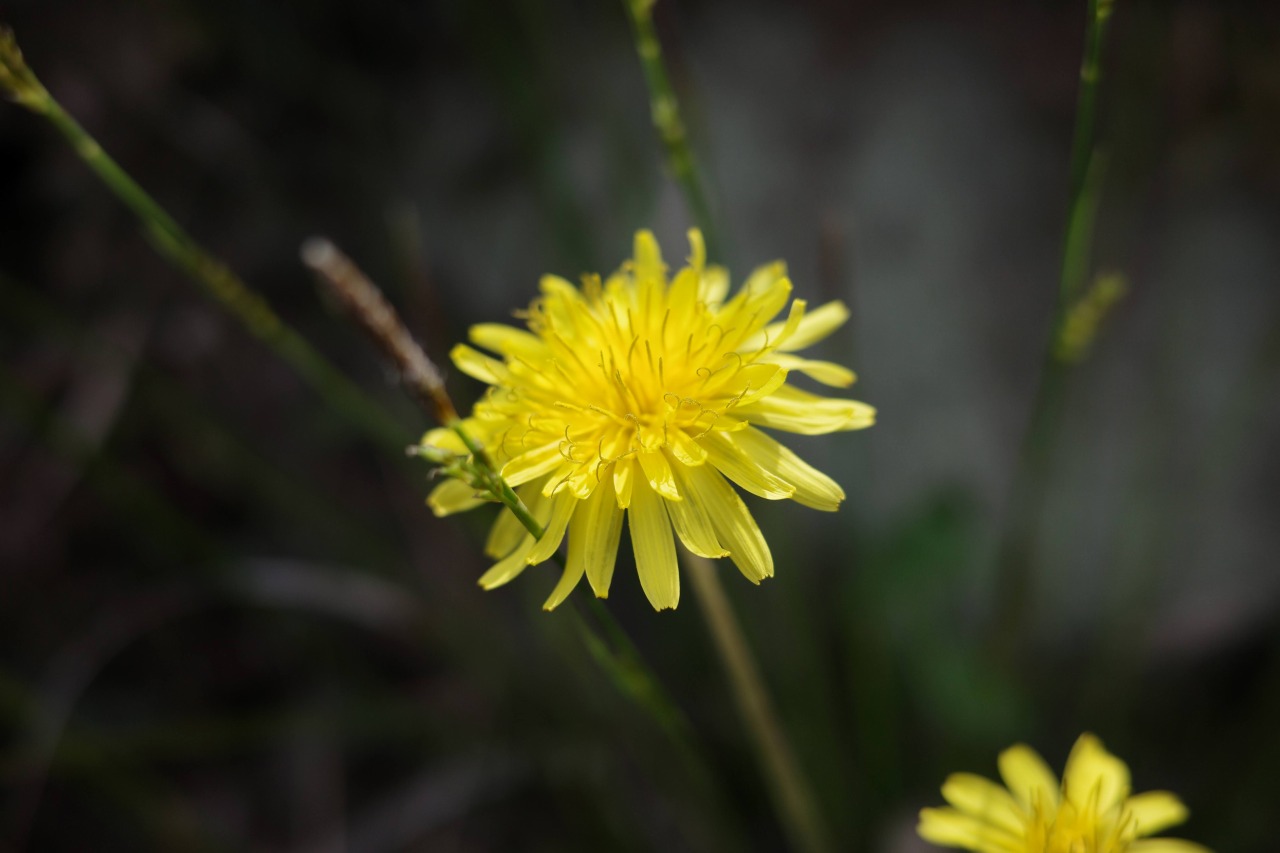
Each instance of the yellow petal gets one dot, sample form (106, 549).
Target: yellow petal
(447, 439)
(507, 531)
(826, 372)
(657, 470)
(594, 534)
(452, 496)
(798, 411)
(816, 325)
(761, 381)
(648, 256)
(624, 480)
(983, 799)
(562, 506)
(766, 305)
(762, 278)
(654, 548)
(478, 365)
(714, 286)
(508, 340)
(734, 526)
(1028, 778)
(569, 579)
(771, 337)
(747, 470)
(561, 289)
(693, 524)
(1092, 771)
(950, 828)
(812, 488)
(682, 297)
(532, 464)
(685, 449)
(574, 567)
(514, 563)
(510, 566)
(1155, 811)
(1166, 845)
(697, 249)
(748, 311)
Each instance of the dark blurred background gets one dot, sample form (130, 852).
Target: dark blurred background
(228, 621)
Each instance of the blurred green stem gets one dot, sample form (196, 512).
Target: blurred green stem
(788, 787)
(169, 238)
(1016, 557)
(665, 111)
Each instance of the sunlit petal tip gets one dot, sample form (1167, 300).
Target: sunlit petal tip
(1155, 811)
(648, 257)
(1028, 776)
(551, 284)
(1092, 771)
(562, 508)
(697, 249)
(569, 579)
(950, 828)
(654, 545)
(452, 496)
(443, 438)
(507, 569)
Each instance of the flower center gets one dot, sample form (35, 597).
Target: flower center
(626, 375)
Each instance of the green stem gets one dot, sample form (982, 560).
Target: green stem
(1029, 490)
(180, 249)
(618, 655)
(788, 787)
(1085, 177)
(665, 111)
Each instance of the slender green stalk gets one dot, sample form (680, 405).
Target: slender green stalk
(1084, 184)
(665, 111)
(180, 249)
(788, 787)
(1028, 493)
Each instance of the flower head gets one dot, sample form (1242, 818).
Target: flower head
(1090, 812)
(639, 396)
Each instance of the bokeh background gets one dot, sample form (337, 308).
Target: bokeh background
(227, 620)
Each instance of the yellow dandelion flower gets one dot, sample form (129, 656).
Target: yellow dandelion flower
(644, 396)
(1090, 812)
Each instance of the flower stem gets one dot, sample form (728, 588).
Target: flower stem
(180, 249)
(1028, 492)
(789, 789)
(1085, 165)
(665, 111)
